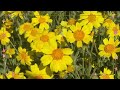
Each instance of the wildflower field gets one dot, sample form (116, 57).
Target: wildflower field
(59, 45)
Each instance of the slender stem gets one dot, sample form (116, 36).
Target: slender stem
(113, 65)
(13, 46)
(83, 61)
(20, 40)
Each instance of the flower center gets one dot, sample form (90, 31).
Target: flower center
(26, 27)
(109, 48)
(108, 21)
(39, 77)
(57, 54)
(2, 36)
(79, 35)
(23, 55)
(10, 50)
(115, 30)
(44, 38)
(41, 20)
(91, 18)
(71, 21)
(105, 76)
(33, 32)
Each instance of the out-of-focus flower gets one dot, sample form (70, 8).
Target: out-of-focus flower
(106, 74)
(39, 72)
(23, 56)
(4, 36)
(16, 74)
(91, 18)
(43, 20)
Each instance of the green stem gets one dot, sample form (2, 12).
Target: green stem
(20, 40)
(83, 61)
(13, 46)
(4, 67)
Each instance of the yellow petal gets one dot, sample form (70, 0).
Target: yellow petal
(79, 44)
(86, 29)
(70, 38)
(101, 53)
(83, 22)
(117, 50)
(87, 39)
(34, 68)
(101, 47)
(46, 59)
(117, 42)
(67, 59)
(64, 23)
(36, 13)
(55, 66)
(17, 70)
(35, 21)
(114, 55)
(111, 41)
(96, 24)
(105, 41)
(67, 51)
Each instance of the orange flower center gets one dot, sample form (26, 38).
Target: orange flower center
(79, 35)
(71, 21)
(44, 38)
(91, 18)
(33, 32)
(39, 77)
(27, 27)
(108, 21)
(115, 30)
(2, 36)
(109, 48)
(23, 55)
(57, 54)
(105, 76)
(10, 51)
(41, 20)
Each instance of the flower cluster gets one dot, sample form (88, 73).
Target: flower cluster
(80, 47)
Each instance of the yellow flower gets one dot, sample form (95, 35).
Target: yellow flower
(58, 58)
(60, 38)
(31, 34)
(71, 21)
(78, 34)
(70, 68)
(25, 28)
(108, 22)
(16, 13)
(113, 30)
(4, 36)
(7, 24)
(39, 72)
(64, 23)
(23, 56)
(68, 23)
(109, 48)
(16, 74)
(42, 20)
(107, 74)
(91, 18)
(43, 39)
(10, 52)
